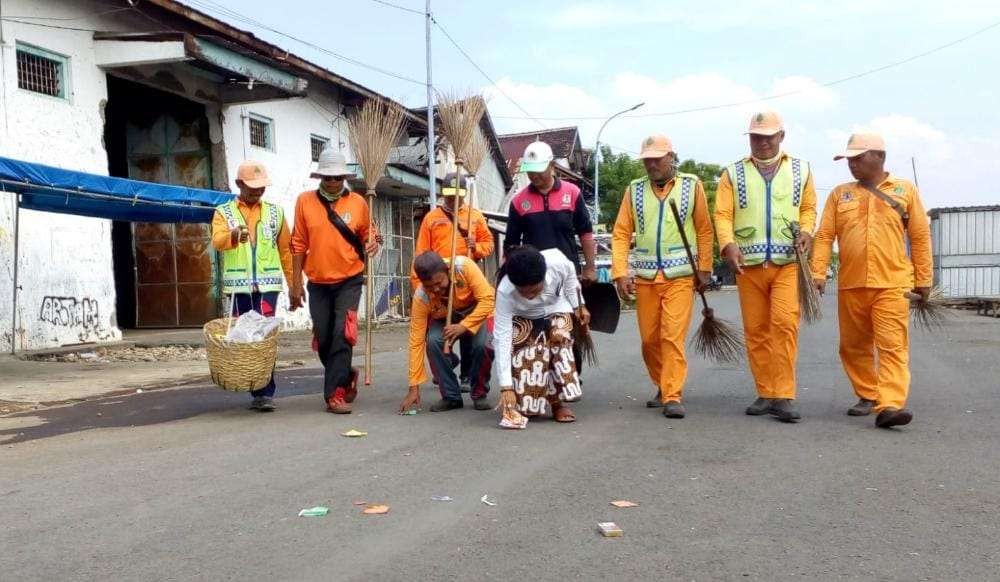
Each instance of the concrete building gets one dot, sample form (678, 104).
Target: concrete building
(159, 92)
(966, 245)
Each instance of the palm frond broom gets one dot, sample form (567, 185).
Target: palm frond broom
(582, 337)
(475, 155)
(717, 339)
(929, 314)
(460, 115)
(375, 128)
(809, 302)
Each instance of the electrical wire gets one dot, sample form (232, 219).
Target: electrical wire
(851, 77)
(399, 7)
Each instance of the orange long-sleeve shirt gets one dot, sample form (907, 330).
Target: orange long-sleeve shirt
(725, 203)
(869, 234)
(223, 240)
(621, 237)
(471, 288)
(329, 257)
(435, 235)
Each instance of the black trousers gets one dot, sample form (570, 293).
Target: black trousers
(334, 311)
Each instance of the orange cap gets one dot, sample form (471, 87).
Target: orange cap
(765, 123)
(656, 146)
(860, 143)
(253, 174)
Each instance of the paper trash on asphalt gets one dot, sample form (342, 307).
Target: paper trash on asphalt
(610, 529)
(441, 498)
(372, 509)
(488, 501)
(623, 503)
(318, 511)
(354, 433)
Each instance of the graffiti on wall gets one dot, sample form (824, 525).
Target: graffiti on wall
(83, 313)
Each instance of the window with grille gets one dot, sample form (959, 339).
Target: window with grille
(318, 144)
(41, 71)
(261, 132)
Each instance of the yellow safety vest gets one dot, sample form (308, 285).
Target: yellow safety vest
(658, 243)
(764, 210)
(253, 264)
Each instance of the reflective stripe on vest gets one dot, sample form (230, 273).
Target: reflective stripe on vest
(658, 242)
(764, 210)
(253, 264)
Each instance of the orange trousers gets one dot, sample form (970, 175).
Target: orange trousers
(875, 344)
(663, 308)
(769, 300)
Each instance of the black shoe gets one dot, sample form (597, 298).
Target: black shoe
(654, 401)
(759, 407)
(444, 405)
(482, 404)
(464, 385)
(891, 417)
(255, 403)
(862, 408)
(266, 404)
(785, 410)
(673, 409)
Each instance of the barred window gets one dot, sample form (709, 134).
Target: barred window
(261, 132)
(317, 143)
(41, 71)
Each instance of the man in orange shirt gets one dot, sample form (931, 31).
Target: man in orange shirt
(430, 333)
(330, 244)
(435, 235)
(666, 280)
(870, 219)
(757, 200)
(254, 241)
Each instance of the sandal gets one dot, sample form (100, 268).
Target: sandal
(563, 414)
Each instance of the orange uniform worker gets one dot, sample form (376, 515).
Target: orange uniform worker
(429, 332)
(758, 198)
(664, 287)
(870, 219)
(330, 243)
(254, 240)
(436, 227)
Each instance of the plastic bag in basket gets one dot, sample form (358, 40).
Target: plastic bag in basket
(252, 327)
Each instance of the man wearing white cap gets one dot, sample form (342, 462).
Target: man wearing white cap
(761, 200)
(666, 281)
(254, 241)
(870, 220)
(550, 213)
(330, 244)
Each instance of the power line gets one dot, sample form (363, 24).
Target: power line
(212, 6)
(484, 74)
(398, 7)
(788, 93)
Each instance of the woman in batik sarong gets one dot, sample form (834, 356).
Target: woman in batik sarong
(533, 336)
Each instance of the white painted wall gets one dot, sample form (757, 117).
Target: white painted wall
(67, 284)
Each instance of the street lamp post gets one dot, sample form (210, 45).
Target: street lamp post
(597, 161)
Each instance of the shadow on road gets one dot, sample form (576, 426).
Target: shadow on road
(150, 407)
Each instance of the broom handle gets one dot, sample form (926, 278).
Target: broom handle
(687, 248)
(454, 251)
(471, 204)
(369, 291)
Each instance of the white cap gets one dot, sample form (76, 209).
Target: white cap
(537, 157)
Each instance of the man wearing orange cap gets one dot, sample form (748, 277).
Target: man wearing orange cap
(760, 201)
(435, 235)
(330, 244)
(665, 281)
(870, 219)
(255, 244)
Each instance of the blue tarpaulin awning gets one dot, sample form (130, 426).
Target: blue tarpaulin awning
(53, 189)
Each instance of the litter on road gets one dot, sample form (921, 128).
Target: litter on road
(441, 498)
(353, 433)
(318, 511)
(372, 509)
(610, 529)
(623, 503)
(488, 501)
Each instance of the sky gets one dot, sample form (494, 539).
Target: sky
(577, 63)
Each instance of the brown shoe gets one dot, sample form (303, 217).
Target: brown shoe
(336, 403)
(862, 408)
(891, 417)
(351, 392)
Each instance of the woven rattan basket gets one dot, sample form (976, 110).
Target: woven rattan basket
(239, 367)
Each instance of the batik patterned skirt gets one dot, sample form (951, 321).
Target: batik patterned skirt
(544, 370)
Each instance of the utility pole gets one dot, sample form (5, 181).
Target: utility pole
(913, 163)
(431, 161)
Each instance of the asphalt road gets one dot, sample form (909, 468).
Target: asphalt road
(186, 484)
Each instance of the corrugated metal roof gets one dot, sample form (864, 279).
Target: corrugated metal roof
(934, 212)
